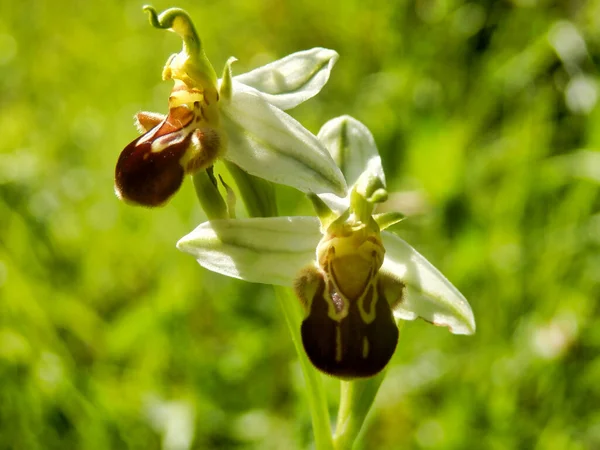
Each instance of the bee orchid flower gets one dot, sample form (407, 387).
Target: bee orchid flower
(240, 119)
(353, 279)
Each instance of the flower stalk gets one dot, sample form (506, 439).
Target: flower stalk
(356, 400)
(315, 392)
(207, 192)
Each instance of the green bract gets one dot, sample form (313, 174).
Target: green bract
(350, 276)
(239, 119)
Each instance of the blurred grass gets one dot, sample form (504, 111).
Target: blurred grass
(487, 120)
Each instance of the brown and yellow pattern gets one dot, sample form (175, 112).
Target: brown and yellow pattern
(349, 330)
(151, 168)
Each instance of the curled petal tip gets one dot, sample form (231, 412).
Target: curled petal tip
(166, 18)
(184, 27)
(226, 88)
(153, 15)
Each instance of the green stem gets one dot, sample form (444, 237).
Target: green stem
(356, 400)
(259, 197)
(317, 401)
(209, 196)
(257, 194)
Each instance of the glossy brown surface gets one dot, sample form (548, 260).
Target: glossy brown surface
(350, 347)
(148, 171)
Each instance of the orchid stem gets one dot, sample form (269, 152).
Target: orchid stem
(317, 401)
(356, 400)
(257, 194)
(209, 196)
(259, 198)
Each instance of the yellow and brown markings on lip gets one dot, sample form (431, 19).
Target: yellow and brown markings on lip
(349, 330)
(152, 167)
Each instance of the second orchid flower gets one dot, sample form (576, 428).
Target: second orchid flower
(352, 279)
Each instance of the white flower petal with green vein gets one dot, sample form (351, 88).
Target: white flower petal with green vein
(353, 148)
(261, 250)
(428, 294)
(294, 79)
(270, 144)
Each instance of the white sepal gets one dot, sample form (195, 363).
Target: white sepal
(294, 79)
(427, 293)
(268, 143)
(269, 250)
(353, 148)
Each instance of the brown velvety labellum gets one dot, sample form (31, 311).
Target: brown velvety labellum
(351, 347)
(150, 178)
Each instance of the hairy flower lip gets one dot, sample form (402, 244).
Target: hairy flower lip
(151, 168)
(147, 175)
(345, 336)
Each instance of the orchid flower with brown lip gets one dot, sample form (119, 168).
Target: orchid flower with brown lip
(240, 119)
(353, 279)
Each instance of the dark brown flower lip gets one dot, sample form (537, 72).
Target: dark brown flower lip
(148, 171)
(358, 340)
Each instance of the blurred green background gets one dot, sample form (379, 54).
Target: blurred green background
(487, 120)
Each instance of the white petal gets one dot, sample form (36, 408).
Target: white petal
(353, 148)
(260, 250)
(427, 293)
(294, 79)
(268, 143)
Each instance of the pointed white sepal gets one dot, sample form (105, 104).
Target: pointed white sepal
(269, 250)
(427, 293)
(294, 79)
(268, 143)
(353, 148)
